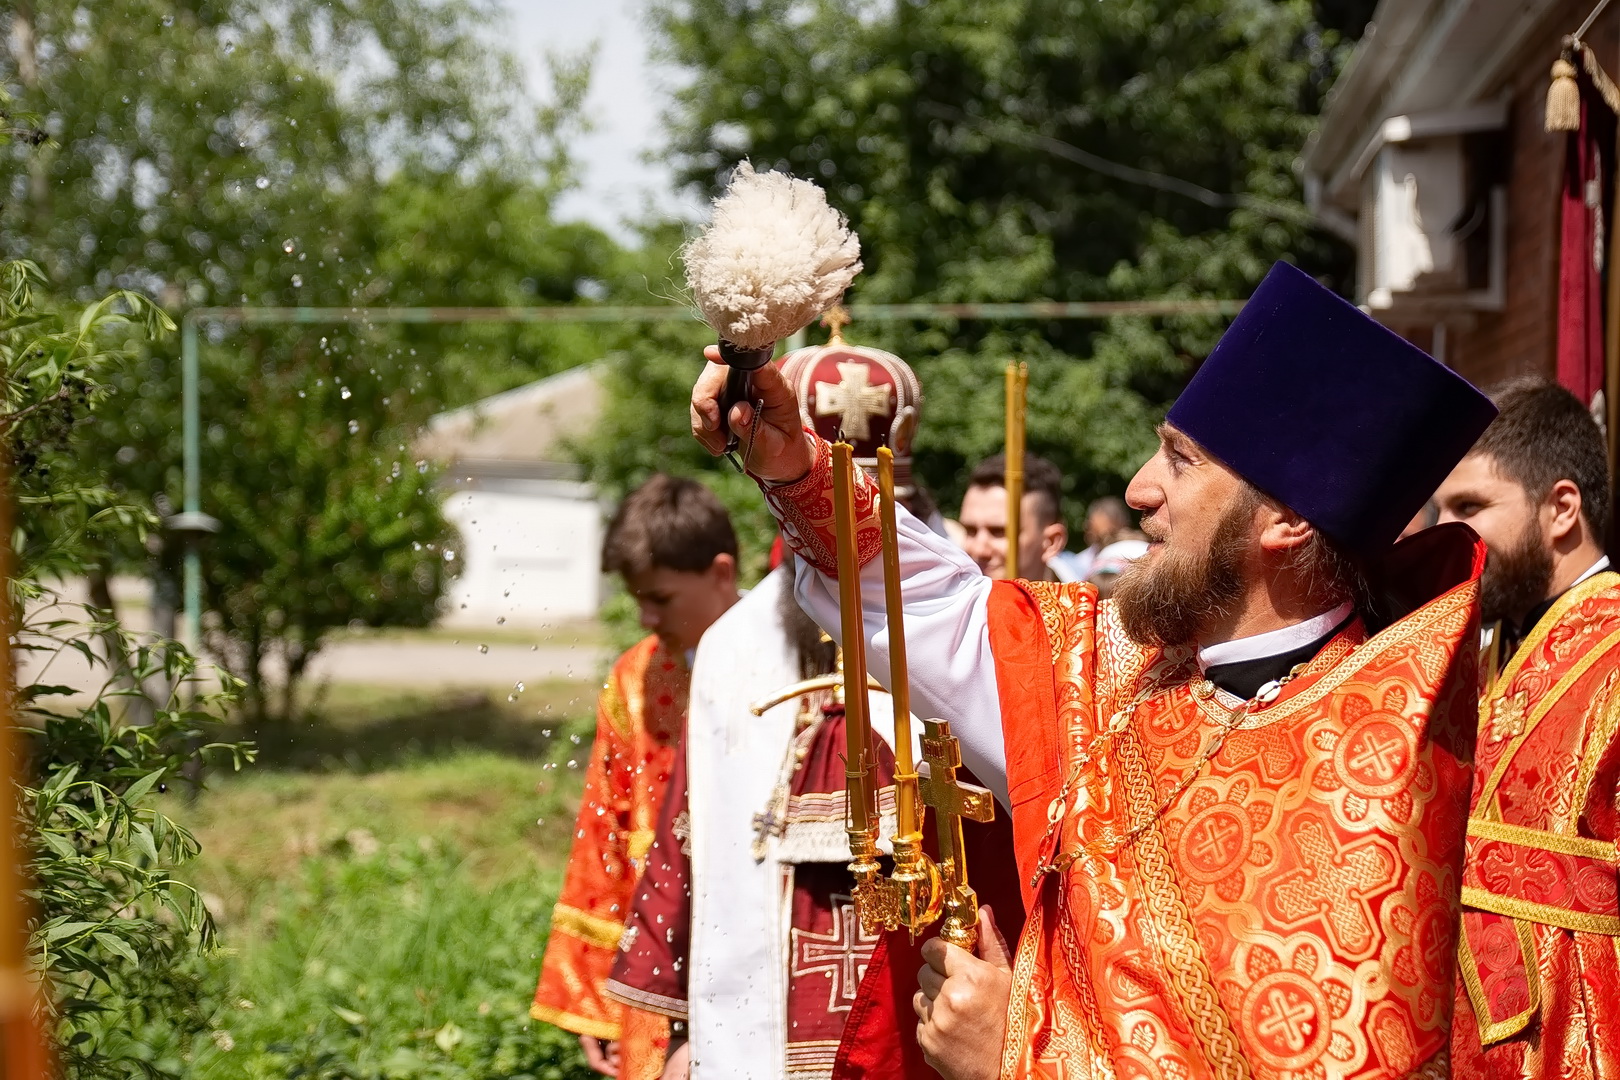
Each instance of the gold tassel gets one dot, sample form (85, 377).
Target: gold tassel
(1563, 98)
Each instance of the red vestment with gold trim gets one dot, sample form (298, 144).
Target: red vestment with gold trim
(639, 716)
(1292, 911)
(1539, 993)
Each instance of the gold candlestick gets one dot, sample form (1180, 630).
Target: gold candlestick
(873, 900)
(1017, 398)
(916, 877)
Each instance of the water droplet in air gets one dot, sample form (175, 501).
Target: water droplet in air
(421, 466)
(298, 281)
(354, 429)
(449, 555)
(483, 648)
(288, 246)
(168, 20)
(345, 393)
(534, 648)
(501, 621)
(262, 182)
(572, 764)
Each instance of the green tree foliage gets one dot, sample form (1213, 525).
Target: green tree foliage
(296, 152)
(1022, 150)
(115, 930)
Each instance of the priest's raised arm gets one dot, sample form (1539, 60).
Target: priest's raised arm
(953, 674)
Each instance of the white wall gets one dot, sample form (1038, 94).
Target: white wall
(530, 552)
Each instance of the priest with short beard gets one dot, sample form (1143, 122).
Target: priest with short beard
(1238, 790)
(1538, 963)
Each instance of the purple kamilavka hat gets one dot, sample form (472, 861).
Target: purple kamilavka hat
(1334, 415)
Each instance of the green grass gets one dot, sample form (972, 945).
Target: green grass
(387, 920)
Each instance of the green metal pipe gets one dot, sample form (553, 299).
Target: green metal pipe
(607, 313)
(192, 468)
(1036, 310)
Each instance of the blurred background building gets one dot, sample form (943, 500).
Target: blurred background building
(531, 527)
(1434, 161)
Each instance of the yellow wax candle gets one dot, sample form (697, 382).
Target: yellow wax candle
(1017, 379)
(899, 680)
(857, 725)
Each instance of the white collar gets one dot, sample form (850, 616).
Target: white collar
(1596, 568)
(1273, 642)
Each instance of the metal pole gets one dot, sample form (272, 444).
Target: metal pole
(192, 501)
(1036, 310)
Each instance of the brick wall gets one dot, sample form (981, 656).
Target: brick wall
(1521, 339)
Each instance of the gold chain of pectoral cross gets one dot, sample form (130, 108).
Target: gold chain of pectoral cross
(1111, 842)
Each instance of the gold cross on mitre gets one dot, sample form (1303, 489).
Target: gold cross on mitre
(854, 400)
(836, 318)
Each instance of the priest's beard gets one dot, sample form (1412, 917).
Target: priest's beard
(1178, 595)
(816, 656)
(1517, 578)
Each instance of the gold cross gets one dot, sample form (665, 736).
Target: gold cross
(854, 400)
(836, 318)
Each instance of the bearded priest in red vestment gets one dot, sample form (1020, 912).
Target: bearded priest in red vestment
(743, 928)
(1238, 789)
(1538, 996)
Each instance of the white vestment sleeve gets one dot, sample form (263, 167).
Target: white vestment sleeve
(953, 674)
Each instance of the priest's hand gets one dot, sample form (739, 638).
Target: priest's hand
(779, 451)
(963, 1004)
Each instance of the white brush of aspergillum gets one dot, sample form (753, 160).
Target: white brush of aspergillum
(772, 259)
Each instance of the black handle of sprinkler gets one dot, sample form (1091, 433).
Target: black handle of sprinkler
(742, 363)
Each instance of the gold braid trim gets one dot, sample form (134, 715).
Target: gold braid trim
(613, 704)
(1538, 634)
(1602, 721)
(579, 1025)
(1547, 914)
(591, 929)
(1494, 1031)
(1179, 951)
(1596, 654)
(1581, 846)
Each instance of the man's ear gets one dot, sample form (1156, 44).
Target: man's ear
(1563, 504)
(1054, 538)
(1282, 530)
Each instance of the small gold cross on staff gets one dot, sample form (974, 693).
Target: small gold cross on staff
(836, 318)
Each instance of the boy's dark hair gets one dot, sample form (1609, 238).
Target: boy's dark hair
(1543, 434)
(668, 523)
(1041, 477)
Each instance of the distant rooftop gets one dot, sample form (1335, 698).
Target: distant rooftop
(529, 423)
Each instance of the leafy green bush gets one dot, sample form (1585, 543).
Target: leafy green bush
(114, 931)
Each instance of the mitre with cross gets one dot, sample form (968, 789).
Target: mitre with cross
(867, 397)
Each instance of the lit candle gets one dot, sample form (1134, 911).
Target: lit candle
(857, 725)
(905, 776)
